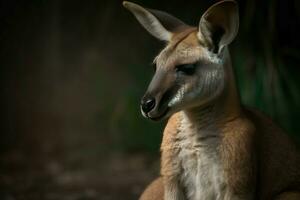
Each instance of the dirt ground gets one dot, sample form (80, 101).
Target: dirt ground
(118, 176)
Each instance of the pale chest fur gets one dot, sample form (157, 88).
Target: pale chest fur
(202, 175)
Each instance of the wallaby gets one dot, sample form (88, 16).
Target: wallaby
(213, 147)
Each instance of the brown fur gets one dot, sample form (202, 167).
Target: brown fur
(154, 191)
(257, 156)
(257, 159)
(255, 153)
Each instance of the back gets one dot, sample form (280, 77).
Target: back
(278, 158)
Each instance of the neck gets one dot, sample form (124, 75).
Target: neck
(221, 110)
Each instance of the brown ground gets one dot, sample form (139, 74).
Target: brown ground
(118, 176)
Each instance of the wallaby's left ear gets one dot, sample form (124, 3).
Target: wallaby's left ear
(158, 23)
(219, 24)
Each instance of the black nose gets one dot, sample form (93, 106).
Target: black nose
(148, 104)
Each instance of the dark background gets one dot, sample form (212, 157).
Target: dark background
(72, 74)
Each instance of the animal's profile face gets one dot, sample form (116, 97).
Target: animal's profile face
(190, 69)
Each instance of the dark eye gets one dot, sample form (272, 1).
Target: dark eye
(187, 69)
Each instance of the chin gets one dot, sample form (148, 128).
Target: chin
(159, 117)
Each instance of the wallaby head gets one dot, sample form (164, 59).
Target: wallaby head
(191, 69)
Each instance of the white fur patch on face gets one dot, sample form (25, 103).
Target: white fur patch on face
(178, 96)
(207, 84)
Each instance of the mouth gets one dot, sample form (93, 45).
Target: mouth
(161, 110)
(159, 117)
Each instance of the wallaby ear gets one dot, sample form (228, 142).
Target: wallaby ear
(219, 24)
(159, 24)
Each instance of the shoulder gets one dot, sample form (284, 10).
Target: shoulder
(241, 126)
(237, 152)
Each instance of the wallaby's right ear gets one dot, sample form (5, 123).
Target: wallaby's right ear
(219, 24)
(159, 24)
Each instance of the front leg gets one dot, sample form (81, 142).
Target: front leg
(173, 190)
